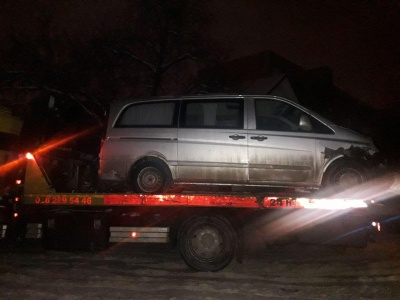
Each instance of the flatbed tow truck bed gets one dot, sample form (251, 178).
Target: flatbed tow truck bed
(209, 229)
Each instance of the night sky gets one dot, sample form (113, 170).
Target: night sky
(358, 40)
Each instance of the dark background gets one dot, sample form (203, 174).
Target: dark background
(341, 58)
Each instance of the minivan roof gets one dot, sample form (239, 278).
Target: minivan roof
(119, 104)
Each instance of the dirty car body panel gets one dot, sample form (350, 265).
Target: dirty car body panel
(227, 139)
(212, 141)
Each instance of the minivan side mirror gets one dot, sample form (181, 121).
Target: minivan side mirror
(305, 123)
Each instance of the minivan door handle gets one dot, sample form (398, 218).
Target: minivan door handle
(259, 138)
(237, 137)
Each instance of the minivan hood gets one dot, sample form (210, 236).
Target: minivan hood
(351, 136)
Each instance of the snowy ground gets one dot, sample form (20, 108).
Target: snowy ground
(132, 271)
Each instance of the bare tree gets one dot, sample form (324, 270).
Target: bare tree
(163, 41)
(152, 49)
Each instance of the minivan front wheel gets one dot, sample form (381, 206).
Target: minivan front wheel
(344, 175)
(150, 178)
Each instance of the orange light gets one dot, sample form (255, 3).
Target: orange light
(16, 199)
(29, 156)
(134, 235)
(11, 165)
(57, 142)
(18, 181)
(48, 146)
(15, 215)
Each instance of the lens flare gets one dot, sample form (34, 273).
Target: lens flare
(319, 210)
(58, 142)
(29, 156)
(44, 148)
(12, 165)
(331, 204)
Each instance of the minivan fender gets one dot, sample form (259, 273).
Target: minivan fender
(150, 157)
(352, 153)
(327, 165)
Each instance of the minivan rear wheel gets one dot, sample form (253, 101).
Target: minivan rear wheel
(150, 178)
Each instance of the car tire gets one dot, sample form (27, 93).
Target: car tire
(207, 243)
(344, 175)
(150, 178)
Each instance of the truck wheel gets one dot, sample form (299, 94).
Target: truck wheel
(150, 178)
(344, 175)
(207, 243)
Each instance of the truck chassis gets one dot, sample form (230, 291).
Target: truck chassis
(208, 229)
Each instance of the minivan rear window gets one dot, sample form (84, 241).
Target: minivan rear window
(149, 114)
(220, 113)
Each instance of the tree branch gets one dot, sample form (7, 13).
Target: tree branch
(188, 37)
(134, 57)
(179, 59)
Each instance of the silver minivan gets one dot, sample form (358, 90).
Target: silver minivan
(153, 144)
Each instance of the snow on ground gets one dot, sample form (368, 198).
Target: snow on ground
(131, 271)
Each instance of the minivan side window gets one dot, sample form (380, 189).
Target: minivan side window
(274, 115)
(149, 114)
(219, 113)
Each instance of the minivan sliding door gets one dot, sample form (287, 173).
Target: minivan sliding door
(212, 141)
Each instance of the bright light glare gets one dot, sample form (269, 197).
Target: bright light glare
(134, 234)
(331, 203)
(11, 165)
(4, 168)
(322, 209)
(18, 181)
(29, 156)
(378, 189)
(58, 142)
(377, 225)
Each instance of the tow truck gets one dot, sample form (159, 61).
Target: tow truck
(209, 229)
(10, 128)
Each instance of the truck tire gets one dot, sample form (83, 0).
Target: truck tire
(150, 178)
(207, 242)
(344, 175)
